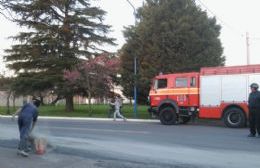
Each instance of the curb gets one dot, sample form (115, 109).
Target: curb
(89, 119)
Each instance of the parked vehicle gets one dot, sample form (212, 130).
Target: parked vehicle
(212, 93)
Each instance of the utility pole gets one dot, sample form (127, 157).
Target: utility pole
(247, 49)
(135, 66)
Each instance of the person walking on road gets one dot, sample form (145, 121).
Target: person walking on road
(254, 110)
(27, 117)
(117, 104)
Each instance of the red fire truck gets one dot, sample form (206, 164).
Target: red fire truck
(212, 93)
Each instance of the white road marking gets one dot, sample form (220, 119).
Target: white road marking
(99, 130)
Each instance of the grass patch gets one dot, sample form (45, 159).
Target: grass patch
(99, 111)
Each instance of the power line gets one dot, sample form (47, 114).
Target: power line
(255, 38)
(233, 30)
(219, 19)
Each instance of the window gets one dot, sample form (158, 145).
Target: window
(181, 82)
(160, 84)
(193, 82)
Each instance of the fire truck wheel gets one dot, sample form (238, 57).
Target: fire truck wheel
(185, 120)
(168, 116)
(234, 118)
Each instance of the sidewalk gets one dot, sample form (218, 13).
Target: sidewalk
(90, 119)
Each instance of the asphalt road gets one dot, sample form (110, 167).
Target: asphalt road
(108, 144)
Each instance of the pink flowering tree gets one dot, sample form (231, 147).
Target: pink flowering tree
(93, 78)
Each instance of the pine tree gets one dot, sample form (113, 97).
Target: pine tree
(59, 33)
(171, 36)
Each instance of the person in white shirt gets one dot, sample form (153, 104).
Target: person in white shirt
(117, 105)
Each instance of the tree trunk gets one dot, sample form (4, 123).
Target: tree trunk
(69, 103)
(14, 101)
(8, 102)
(56, 100)
(89, 104)
(131, 102)
(41, 99)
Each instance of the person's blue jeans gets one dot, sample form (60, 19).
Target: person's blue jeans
(24, 124)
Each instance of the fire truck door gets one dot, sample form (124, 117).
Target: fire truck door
(182, 91)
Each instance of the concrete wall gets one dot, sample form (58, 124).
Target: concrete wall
(18, 101)
(48, 99)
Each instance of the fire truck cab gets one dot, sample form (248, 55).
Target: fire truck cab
(213, 93)
(175, 97)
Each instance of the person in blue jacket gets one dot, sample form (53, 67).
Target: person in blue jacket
(27, 117)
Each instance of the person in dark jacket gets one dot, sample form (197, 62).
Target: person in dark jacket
(254, 110)
(27, 118)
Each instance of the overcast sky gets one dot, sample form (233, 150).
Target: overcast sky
(235, 16)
